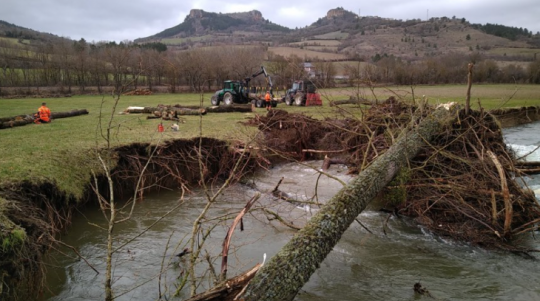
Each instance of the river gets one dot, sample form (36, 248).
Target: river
(382, 264)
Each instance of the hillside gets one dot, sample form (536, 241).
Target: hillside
(342, 35)
(13, 31)
(199, 23)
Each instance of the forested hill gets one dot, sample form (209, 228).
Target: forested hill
(9, 30)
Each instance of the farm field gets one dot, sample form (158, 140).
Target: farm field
(307, 54)
(33, 152)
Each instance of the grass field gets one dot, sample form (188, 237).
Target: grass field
(61, 151)
(306, 54)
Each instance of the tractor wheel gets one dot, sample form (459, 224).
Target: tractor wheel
(228, 98)
(259, 103)
(288, 100)
(214, 100)
(299, 99)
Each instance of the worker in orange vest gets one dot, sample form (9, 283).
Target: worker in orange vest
(268, 100)
(160, 127)
(43, 115)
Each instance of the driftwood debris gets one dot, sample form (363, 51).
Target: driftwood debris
(329, 161)
(528, 167)
(283, 195)
(287, 271)
(228, 290)
(28, 119)
(228, 237)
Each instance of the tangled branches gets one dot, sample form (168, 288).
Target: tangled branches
(461, 186)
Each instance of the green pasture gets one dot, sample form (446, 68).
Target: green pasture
(63, 151)
(488, 96)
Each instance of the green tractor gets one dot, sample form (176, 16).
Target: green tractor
(241, 93)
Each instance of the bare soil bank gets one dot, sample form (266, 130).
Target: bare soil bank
(43, 211)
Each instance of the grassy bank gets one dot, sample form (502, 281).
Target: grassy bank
(61, 152)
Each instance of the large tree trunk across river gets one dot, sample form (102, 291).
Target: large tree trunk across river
(285, 274)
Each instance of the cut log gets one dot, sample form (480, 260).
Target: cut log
(228, 109)
(287, 271)
(72, 113)
(28, 119)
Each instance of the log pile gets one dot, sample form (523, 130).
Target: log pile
(171, 112)
(165, 111)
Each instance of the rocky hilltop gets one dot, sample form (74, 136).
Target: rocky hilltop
(199, 22)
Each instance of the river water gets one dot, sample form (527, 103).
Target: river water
(380, 264)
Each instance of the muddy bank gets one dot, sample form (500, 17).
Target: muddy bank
(33, 214)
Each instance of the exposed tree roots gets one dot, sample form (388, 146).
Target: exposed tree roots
(462, 186)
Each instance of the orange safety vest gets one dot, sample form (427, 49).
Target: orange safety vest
(267, 97)
(44, 113)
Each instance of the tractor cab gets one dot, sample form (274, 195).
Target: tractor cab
(231, 85)
(297, 86)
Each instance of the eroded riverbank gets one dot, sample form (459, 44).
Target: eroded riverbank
(130, 163)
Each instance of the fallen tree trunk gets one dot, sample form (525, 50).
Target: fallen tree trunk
(287, 271)
(72, 113)
(27, 119)
(228, 109)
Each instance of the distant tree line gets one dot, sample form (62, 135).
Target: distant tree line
(444, 69)
(74, 66)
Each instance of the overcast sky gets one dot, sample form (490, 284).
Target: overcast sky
(120, 20)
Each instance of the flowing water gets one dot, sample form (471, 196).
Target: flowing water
(382, 264)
